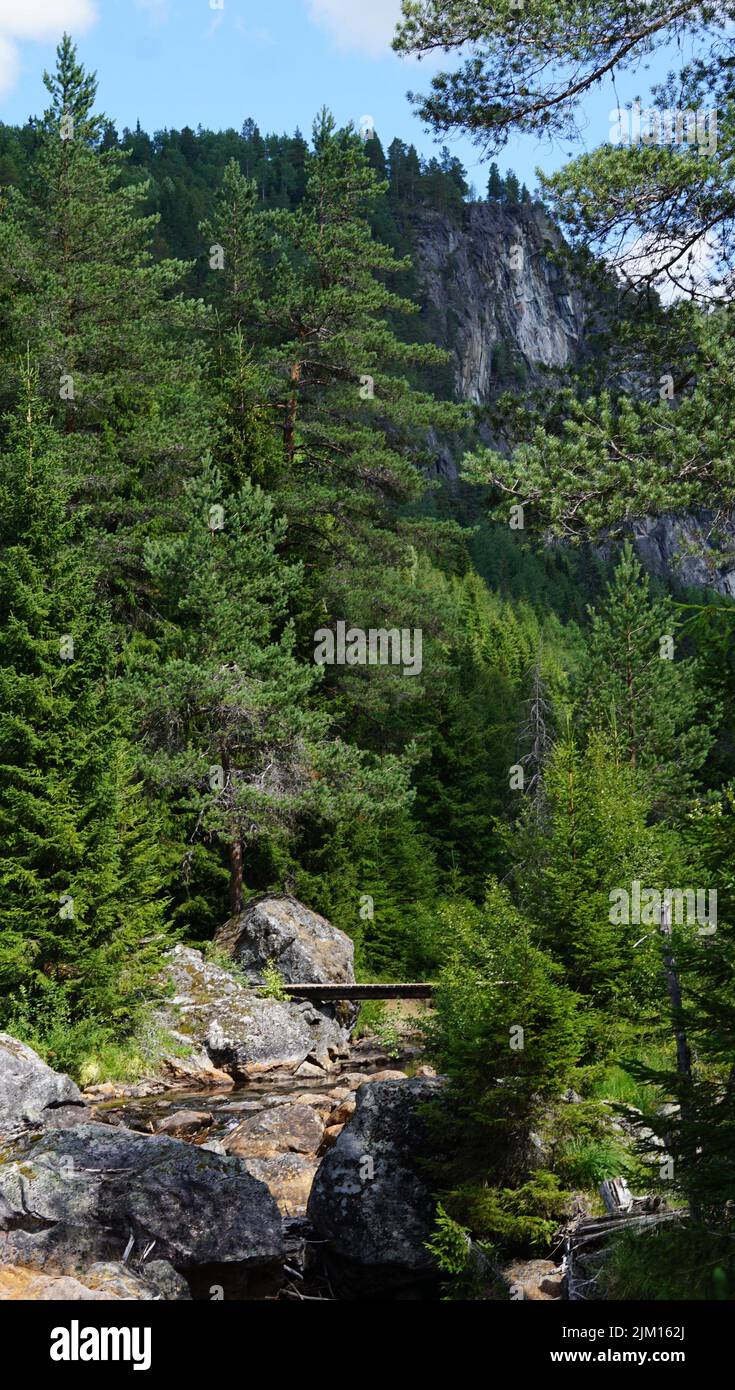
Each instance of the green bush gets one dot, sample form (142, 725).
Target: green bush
(521, 1220)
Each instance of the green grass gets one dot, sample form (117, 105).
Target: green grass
(613, 1081)
(586, 1162)
(677, 1261)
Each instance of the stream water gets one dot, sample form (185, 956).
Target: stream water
(227, 1107)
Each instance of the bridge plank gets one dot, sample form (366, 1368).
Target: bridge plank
(410, 990)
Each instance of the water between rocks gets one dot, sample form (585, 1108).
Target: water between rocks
(305, 1274)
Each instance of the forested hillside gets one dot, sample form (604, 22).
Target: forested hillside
(224, 414)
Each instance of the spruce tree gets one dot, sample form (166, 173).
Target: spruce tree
(638, 688)
(117, 352)
(82, 926)
(594, 839)
(508, 1033)
(309, 289)
(495, 185)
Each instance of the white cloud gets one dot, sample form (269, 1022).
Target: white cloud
(367, 25)
(44, 19)
(40, 20)
(679, 272)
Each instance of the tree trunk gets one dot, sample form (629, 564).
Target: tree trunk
(289, 430)
(235, 875)
(683, 1055)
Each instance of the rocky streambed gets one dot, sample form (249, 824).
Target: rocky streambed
(281, 1128)
(242, 1194)
(267, 1155)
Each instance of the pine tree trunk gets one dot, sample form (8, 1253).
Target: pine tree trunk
(289, 433)
(236, 883)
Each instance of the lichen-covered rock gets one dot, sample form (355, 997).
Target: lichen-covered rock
(32, 1096)
(241, 1032)
(280, 931)
(391, 1074)
(370, 1201)
(94, 1193)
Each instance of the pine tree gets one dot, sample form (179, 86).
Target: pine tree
(308, 289)
(79, 866)
(236, 740)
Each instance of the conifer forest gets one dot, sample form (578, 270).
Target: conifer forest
(367, 668)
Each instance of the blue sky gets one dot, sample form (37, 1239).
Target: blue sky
(182, 62)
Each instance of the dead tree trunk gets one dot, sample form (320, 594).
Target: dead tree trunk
(673, 988)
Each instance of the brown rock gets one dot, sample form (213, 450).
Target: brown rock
(342, 1113)
(331, 1135)
(287, 1128)
(323, 1104)
(196, 1070)
(539, 1281)
(310, 1069)
(27, 1285)
(100, 1283)
(383, 1076)
(183, 1123)
(104, 1090)
(350, 1080)
(289, 1178)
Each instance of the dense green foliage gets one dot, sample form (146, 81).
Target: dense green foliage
(221, 412)
(640, 428)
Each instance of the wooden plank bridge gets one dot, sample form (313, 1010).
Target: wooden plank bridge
(410, 990)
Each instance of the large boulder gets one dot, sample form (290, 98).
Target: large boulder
(370, 1201)
(32, 1096)
(241, 1032)
(94, 1193)
(280, 931)
(288, 1177)
(100, 1283)
(286, 1128)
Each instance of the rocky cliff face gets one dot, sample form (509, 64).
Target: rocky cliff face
(682, 548)
(493, 293)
